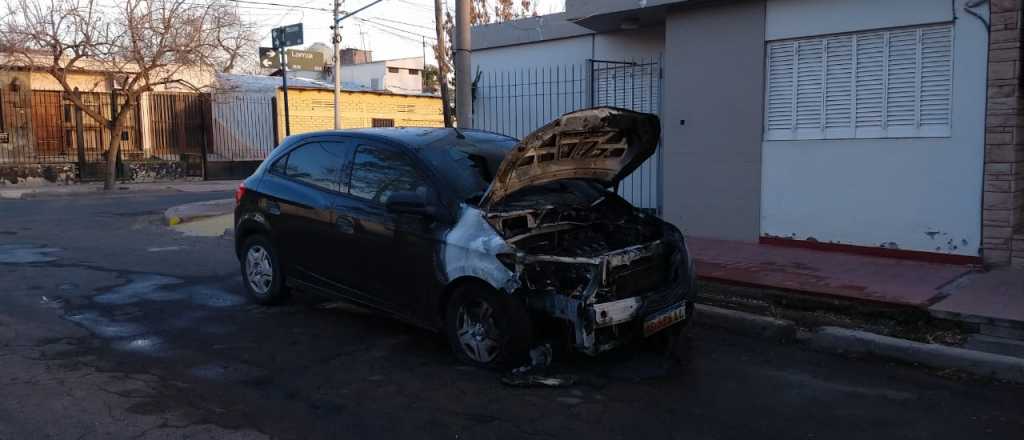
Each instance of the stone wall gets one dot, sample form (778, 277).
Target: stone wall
(67, 174)
(1003, 198)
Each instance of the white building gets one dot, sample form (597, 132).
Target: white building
(842, 123)
(402, 75)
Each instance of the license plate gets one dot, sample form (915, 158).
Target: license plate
(663, 320)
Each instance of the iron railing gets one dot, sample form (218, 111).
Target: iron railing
(518, 102)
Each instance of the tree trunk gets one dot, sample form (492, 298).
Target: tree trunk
(114, 144)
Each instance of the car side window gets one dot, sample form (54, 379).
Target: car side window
(377, 172)
(280, 165)
(317, 164)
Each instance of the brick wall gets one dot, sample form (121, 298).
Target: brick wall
(1003, 198)
(311, 110)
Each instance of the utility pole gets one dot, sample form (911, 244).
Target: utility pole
(337, 55)
(442, 71)
(337, 65)
(463, 77)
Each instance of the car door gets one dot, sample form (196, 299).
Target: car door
(300, 200)
(399, 251)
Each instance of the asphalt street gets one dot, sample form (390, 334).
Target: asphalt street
(114, 326)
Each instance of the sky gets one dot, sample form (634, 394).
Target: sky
(391, 29)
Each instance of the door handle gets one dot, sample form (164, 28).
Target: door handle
(345, 224)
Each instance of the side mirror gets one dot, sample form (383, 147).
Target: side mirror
(410, 202)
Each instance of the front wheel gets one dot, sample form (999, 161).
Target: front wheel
(487, 329)
(261, 271)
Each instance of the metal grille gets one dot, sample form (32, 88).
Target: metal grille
(382, 122)
(516, 103)
(633, 85)
(243, 127)
(179, 125)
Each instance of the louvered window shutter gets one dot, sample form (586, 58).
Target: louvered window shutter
(810, 81)
(877, 84)
(839, 87)
(936, 81)
(780, 94)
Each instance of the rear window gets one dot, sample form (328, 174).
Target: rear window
(468, 165)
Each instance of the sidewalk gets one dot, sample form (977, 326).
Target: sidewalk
(993, 301)
(29, 191)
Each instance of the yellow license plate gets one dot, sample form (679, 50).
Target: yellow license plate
(663, 320)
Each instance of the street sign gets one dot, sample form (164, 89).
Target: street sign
(304, 59)
(286, 36)
(297, 59)
(269, 58)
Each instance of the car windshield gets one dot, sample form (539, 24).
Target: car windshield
(468, 165)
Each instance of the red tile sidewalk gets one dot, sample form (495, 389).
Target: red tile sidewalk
(855, 277)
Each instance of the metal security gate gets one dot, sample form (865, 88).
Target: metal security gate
(179, 129)
(242, 134)
(635, 86)
(516, 103)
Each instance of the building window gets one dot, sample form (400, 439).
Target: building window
(393, 69)
(414, 71)
(383, 122)
(880, 84)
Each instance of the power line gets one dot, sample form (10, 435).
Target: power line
(431, 28)
(384, 25)
(250, 2)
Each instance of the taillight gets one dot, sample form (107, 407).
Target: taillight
(239, 193)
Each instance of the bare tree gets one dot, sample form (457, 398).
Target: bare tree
(235, 40)
(504, 10)
(141, 45)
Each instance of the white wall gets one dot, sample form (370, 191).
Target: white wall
(403, 81)
(541, 54)
(800, 18)
(913, 194)
(362, 74)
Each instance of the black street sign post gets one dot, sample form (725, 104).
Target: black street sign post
(283, 37)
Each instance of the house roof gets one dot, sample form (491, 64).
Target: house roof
(256, 84)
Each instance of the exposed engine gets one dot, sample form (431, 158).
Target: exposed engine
(583, 239)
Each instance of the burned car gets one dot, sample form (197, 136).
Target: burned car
(499, 244)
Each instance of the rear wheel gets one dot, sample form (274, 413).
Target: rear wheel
(261, 271)
(487, 329)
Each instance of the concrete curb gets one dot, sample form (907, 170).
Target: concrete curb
(847, 341)
(32, 191)
(746, 323)
(191, 211)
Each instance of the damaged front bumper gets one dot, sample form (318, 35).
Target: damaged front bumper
(603, 325)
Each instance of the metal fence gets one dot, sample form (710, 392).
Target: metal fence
(43, 128)
(516, 103)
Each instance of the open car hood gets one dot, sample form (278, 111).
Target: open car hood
(602, 144)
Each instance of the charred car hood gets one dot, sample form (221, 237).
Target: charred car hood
(603, 144)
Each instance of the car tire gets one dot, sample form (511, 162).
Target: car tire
(262, 274)
(487, 329)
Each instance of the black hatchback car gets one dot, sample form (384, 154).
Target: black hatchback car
(496, 242)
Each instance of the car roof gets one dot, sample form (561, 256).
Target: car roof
(415, 137)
